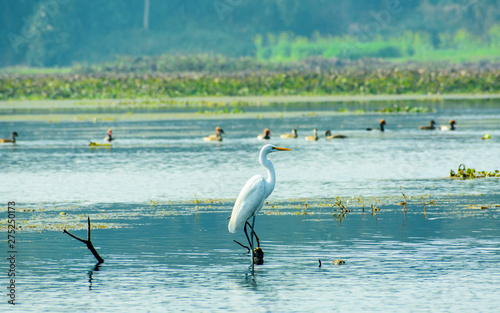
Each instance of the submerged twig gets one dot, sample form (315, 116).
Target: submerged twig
(88, 242)
(405, 208)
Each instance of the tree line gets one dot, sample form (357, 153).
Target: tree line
(64, 32)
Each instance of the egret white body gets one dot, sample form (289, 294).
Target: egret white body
(252, 197)
(255, 192)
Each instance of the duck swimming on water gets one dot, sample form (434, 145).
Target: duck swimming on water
(12, 139)
(447, 128)
(109, 137)
(266, 135)
(107, 140)
(292, 135)
(329, 136)
(217, 136)
(430, 127)
(381, 123)
(313, 137)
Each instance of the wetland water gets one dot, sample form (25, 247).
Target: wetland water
(159, 199)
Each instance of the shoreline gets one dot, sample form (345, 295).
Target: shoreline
(227, 100)
(110, 110)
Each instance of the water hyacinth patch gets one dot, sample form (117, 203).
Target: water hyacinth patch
(471, 173)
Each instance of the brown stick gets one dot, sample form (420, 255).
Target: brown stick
(88, 242)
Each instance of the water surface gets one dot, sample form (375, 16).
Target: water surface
(161, 195)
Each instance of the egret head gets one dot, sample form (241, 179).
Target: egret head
(271, 148)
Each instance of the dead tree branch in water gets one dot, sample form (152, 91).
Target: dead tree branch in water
(88, 242)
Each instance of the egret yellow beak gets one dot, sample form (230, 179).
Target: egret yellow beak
(282, 149)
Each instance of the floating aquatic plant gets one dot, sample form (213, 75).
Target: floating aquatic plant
(405, 109)
(342, 81)
(471, 173)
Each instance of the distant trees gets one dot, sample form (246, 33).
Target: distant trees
(94, 31)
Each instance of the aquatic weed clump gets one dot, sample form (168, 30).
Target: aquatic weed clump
(471, 173)
(405, 109)
(357, 81)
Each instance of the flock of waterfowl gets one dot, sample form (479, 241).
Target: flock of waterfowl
(266, 134)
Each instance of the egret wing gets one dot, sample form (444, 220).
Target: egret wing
(250, 200)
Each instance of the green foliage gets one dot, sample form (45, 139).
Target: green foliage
(470, 173)
(344, 81)
(462, 46)
(404, 109)
(61, 33)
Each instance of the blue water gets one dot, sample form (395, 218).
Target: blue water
(166, 245)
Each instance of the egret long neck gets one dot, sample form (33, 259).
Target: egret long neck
(271, 176)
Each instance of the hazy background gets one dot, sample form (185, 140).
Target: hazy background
(65, 32)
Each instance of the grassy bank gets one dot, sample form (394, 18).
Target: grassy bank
(389, 81)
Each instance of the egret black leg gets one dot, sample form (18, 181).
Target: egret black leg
(250, 242)
(254, 233)
(242, 245)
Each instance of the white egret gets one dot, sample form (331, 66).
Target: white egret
(252, 197)
(217, 136)
(314, 137)
(12, 139)
(430, 127)
(447, 128)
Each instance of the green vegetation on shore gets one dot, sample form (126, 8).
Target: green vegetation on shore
(388, 81)
(421, 46)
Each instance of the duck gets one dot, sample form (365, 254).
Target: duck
(329, 136)
(313, 137)
(217, 136)
(292, 135)
(107, 140)
(109, 137)
(266, 135)
(381, 123)
(430, 127)
(12, 138)
(447, 128)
